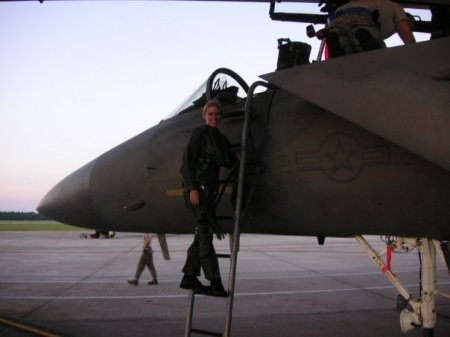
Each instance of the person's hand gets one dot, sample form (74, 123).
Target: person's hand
(405, 32)
(194, 197)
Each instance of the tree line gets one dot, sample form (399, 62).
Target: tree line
(18, 216)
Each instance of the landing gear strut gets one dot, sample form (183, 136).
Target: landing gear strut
(415, 313)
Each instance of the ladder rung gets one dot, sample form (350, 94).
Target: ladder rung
(207, 292)
(227, 181)
(228, 256)
(205, 332)
(224, 217)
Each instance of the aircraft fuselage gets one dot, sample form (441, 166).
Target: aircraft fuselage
(320, 175)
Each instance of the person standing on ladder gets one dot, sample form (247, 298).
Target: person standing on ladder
(206, 152)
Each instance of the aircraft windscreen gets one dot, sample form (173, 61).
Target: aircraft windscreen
(222, 83)
(190, 101)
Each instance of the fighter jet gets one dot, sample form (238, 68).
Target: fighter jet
(352, 146)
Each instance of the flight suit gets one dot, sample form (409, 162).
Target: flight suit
(208, 150)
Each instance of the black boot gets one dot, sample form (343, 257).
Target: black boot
(191, 282)
(217, 288)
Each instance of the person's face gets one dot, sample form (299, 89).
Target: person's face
(212, 116)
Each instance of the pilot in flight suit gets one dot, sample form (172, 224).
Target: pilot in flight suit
(207, 150)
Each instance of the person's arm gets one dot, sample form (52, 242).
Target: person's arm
(147, 240)
(189, 162)
(405, 32)
(189, 166)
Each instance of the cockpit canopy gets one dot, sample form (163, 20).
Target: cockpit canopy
(223, 85)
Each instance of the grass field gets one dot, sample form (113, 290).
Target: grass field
(6, 225)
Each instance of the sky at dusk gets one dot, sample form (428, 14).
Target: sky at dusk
(78, 78)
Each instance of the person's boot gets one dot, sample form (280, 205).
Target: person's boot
(217, 288)
(133, 282)
(191, 282)
(153, 282)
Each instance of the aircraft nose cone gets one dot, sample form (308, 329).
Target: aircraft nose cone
(68, 202)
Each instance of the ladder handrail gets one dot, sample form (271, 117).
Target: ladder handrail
(237, 218)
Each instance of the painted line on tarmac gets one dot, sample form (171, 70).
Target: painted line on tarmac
(242, 277)
(324, 291)
(265, 293)
(27, 328)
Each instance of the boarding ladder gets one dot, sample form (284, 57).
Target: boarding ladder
(238, 216)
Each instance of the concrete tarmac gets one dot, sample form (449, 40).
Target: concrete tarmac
(286, 286)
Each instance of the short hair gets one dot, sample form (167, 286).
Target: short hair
(212, 103)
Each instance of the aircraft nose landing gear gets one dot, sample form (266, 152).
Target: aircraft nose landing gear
(409, 319)
(415, 313)
(428, 279)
